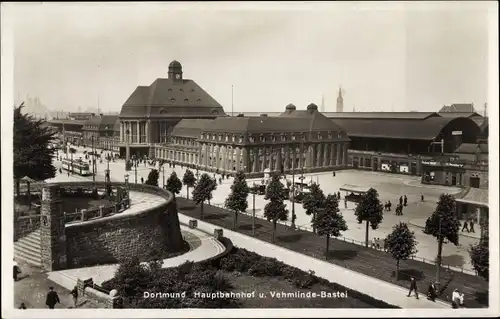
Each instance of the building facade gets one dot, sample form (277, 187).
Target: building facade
(300, 141)
(151, 112)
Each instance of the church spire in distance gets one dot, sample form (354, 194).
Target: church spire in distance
(340, 101)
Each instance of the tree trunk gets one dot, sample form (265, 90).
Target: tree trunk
(235, 219)
(397, 269)
(366, 235)
(274, 230)
(201, 212)
(314, 228)
(438, 263)
(187, 192)
(18, 186)
(327, 246)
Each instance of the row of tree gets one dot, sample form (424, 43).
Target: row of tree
(33, 156)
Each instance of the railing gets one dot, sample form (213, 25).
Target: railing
(287, 224)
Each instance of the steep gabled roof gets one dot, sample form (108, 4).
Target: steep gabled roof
(472, 148)
(190, 128)
(458, 107)
(171, 98)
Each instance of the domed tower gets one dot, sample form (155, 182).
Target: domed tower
(175, 71)
(340, 101)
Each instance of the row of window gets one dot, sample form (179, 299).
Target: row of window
(272, 137)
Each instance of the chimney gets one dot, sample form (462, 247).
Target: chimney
(290, 108)
(311, 108)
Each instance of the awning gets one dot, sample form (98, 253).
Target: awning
(354, 189)
(475, 196)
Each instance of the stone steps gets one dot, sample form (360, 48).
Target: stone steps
(28, 249)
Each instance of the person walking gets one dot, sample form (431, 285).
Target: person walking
(74, 294)
(389, 205)
(405, 201)
(17, 271)
(421, 197)
(52, 298)
(431, 292)
(345, 203)
(471, 226)
(465, 226)
(401, 200)
(338, 195)
(142, 180)
(413, 287)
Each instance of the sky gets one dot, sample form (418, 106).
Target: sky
(385, 56)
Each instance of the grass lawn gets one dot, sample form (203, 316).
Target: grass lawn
(268, 285)
(364, 260)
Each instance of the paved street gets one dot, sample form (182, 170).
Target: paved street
(389, 186)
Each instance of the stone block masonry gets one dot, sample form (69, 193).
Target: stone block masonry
(52, 230)
(24, 225)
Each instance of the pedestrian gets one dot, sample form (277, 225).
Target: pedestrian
(390, 205)
(74, 293)
(345, 203)
(471, 226)
(22, 306)
(431, 292)
(421, 197)
(220, 180)
(52, 298)
(338, 195)
(142, 180)
(465, 226)
(405, 201)
(401, 200)
(17, 271)
(413, 287)
(457, 299)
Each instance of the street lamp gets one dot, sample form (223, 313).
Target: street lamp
(126, 180)
(108, 176)
(127, 145)
(134, 162)
(253, 190)
(163, 172)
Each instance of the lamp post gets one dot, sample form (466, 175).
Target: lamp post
(127, 145)
(108, 176)
(126, 181)
(93, 159)
(163, 173)
(294, 217)
(253, 190)
(134, 162)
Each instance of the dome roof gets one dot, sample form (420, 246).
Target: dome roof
(290, 107)
(174, 64)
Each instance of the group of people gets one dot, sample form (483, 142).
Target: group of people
(378, 243)
(468, 226)
(52, 298)
(457, 298)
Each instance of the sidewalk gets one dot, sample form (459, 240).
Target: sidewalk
(376, 288)
(420, 222)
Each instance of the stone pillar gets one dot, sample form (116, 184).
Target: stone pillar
(121, 132)
(148, 131)
(138, 132)
(246, 161)
(255, 154)
(339, 154)
(344, 157)
(52, 230)
(332, 154)
(238, 157)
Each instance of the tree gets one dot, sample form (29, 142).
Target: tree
(480, 253)
(401, 244)
(275, 210)
(203, 191)
(329, 221)
(153, 176)
(32, 148)
(443, 224)
(313, 202)
(237, 200)
(174, 184)
(369, 210)
(189, 180)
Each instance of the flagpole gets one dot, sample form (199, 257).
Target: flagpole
(232, 101)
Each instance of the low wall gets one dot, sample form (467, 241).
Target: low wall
(111, 239)
(23, 225)
(372, 287)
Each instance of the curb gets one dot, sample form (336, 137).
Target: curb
(412, 223)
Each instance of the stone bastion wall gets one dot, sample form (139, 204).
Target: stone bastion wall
(106, 239)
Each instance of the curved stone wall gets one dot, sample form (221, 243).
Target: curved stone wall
(113, 238)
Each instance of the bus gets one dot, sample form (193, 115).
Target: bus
(76, 166)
